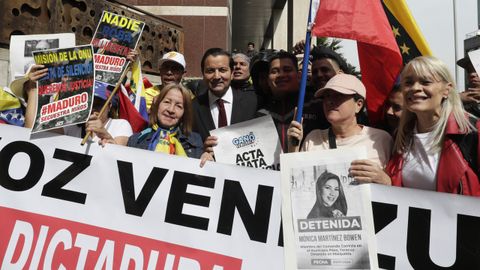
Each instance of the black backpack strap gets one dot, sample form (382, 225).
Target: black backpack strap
(332, 143)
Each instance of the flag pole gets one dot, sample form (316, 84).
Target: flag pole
(105, 106)
(306, 58)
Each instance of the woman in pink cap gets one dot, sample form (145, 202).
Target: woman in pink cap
(343, 98)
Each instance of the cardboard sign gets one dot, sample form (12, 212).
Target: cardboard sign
(252, 143)
(65, 95)
(115, 37)
(327, 217)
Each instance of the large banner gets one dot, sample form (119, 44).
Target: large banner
(327, 216)
(22, 46)
(65, 95)
(115, 37)
(252, 143)
(418, 229)
(64, 206)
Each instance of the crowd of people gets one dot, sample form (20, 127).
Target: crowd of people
(428, 138)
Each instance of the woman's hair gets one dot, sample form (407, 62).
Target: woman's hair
(216, 52)
(428, 66)
(341, 203)
(186, 122)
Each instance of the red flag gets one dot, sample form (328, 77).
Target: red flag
(380, 59)
(128, 112)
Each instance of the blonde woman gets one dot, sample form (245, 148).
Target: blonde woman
(436, 144)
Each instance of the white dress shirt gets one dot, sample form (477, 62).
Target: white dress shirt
(227, 101)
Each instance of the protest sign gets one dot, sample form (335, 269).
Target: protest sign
(115, 37)
(84, 207)
(252, 143)
(65, 95)
(475, 59)
(417, 229)
(64, 206)
(22, 46)
(327, 217)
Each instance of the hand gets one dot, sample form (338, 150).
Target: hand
(103, 42)
(104, 142)
(337, 213)
(205, 157)
(133, 55)
(35, 73)
(367, 171)
(294, 132)
(95, 125)
(210, 142)
(471, 95)
(299, 47)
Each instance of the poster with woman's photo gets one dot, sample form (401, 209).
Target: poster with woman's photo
(327, 215)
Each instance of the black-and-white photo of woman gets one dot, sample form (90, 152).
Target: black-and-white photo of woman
(331, 200)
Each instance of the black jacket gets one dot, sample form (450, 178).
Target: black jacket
(244, 107)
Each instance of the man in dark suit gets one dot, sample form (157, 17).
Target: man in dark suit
(220, 105)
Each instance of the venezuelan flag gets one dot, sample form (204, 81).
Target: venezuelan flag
(380, 59)
(150, 91)
(10, 109)
(406, 31)
(137, 88)
(133, 106)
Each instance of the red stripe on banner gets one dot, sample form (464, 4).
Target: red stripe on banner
(33, 241)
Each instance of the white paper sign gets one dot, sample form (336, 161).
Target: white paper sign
(22, 46)
(327, 216)
(252, 143)
(475, 59)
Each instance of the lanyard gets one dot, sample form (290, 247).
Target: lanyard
(331, 139)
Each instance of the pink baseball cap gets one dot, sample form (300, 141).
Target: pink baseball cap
(344, 83)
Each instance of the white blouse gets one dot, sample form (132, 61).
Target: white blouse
(420, 165)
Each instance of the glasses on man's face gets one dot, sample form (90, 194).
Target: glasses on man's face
(174, 68)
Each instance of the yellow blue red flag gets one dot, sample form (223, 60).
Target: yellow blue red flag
(10, 109)
(133, 106)
(409, 38)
